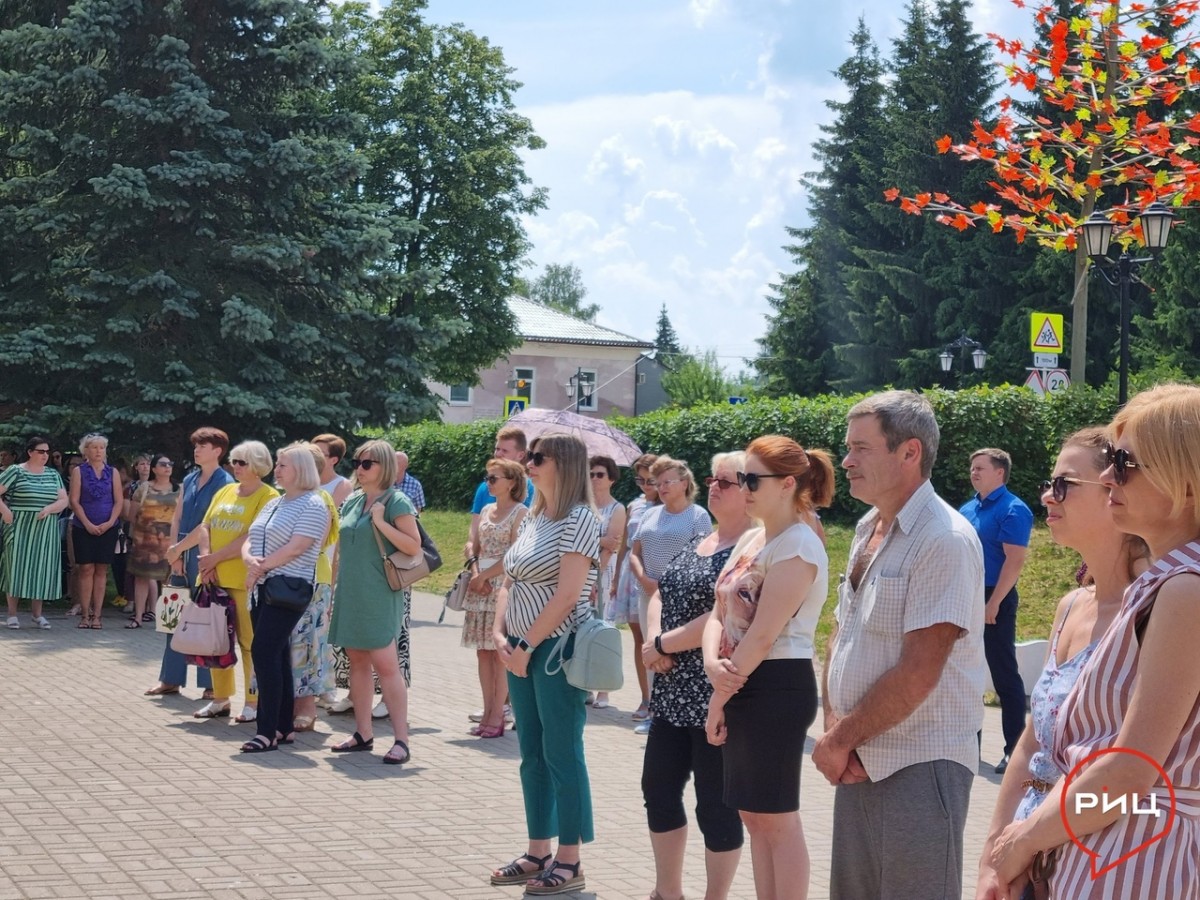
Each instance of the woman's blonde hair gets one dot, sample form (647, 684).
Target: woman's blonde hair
(92, 438)
(299, 457)
(574, 488)
(735, 458)
(383, 455)
(256, 455)
(513, 470)
(663, 463)
(1164, 423)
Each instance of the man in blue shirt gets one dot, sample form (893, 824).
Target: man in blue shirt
(1003, 523)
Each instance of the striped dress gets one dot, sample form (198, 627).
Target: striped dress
(32, 562)
(1090, 719)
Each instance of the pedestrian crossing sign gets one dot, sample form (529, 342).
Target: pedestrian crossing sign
(1046, 332)
(514, 405)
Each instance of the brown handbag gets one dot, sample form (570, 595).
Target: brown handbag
(402, 570)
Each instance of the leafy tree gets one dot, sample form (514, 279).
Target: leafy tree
(697, 378)
(443, 143)
(180, 236)
(1116, 75)
(666, 341)
(561, 287)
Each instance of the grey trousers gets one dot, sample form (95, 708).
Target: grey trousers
(901, 838)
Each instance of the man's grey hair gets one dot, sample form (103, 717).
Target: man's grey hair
(903, 416)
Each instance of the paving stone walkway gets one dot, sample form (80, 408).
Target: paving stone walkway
(105, 793)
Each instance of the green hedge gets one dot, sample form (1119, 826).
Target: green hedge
(449, 458)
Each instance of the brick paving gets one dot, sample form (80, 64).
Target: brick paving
(106, 793)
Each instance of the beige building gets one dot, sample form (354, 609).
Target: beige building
(563, 360)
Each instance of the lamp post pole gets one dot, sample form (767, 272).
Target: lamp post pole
(1125, 276)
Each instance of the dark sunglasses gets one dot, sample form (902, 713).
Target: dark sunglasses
(40, 450)
(364, 464)
(492, 479)
(1120, 462)
(232, 462)
(1057, 486)
(751, 480)
(171, 465)
(710, 482)
(539, 458)
(599, 474)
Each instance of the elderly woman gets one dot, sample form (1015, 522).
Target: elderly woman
(626, 593)
(367, 613)
(758, 652)
(664, 532)
(97, 501)
(280, 554)
(495, 532)
(549, 575)
(150, 510)
(31, 497)
(677, 747)
(1140, 691)
(1078, 516)
(220, 537)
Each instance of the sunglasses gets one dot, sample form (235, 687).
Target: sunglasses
(171, 465)
(539, 458)
(492, 479)
(599, 474)
(364, 464)
(751, 481)
(233, 462)
(1057, 486)
(40, 450)
(710, 482)
(1121, 463)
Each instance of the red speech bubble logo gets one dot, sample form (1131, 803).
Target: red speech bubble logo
(1103, 802)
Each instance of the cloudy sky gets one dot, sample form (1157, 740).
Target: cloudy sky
(677, 131)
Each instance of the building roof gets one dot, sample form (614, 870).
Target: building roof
(536, 322)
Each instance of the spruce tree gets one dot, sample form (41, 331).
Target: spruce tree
(665, 340)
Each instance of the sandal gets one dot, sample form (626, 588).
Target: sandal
(160, 689)
(147, 617)
(490, 731)
(394, 759)
(248, 714)
(212, 710)
(514, 874)
(84, 622)
(354, 744)
(97, 623)
(550, 882)
(304, 723)
(258, 744)
(289, 738)
(133, 623)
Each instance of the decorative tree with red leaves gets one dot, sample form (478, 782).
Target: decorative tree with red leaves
(1112, 76)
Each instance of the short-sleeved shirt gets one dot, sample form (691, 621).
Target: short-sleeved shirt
(740, 585)
(999, 518)
(413, 490)
(483, 498)
(195, 500)
(664, 535)
(229, 516)
(534, 562)
(928, 570)
(281, 520)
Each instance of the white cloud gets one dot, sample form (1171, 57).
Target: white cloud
(611, 161)
(703, 10)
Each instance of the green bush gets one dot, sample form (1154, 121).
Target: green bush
(449, 458)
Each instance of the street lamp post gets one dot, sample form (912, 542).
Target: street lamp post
(1123, 272)
(579, 388)
(962, 344)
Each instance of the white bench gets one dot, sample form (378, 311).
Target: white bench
(1031, 659)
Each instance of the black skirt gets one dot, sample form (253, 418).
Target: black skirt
(94, 549)
(767, 723)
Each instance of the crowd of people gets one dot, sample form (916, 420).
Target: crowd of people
(722, 602)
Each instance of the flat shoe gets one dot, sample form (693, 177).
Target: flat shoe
(354, 744)
(160, 689)
(392, 759)
(213, 710)
(600, 704)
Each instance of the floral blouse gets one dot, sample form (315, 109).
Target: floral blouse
(681, 696)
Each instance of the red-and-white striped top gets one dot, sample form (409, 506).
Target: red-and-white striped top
(1090, 720)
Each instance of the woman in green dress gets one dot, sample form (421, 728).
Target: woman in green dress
(31, 497)
(366, 612)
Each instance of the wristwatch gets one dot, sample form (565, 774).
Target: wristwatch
(523, 644)
(658, 645)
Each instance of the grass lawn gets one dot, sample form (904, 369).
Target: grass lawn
(1049, 571)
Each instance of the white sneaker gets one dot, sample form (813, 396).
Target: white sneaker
(642, 727)
(477, 716)
(40, 622)
(340, 706)
(380, 711)
(327, 699)
(14, 622)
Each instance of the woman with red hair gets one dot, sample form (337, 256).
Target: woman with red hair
(758, 649)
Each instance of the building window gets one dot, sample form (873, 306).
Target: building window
(460, 394)
(587, 400)
(522, 385)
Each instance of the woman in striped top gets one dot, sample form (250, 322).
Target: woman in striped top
(1140, 690)
(550, 571)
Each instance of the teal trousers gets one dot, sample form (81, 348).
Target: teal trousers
(554, 779)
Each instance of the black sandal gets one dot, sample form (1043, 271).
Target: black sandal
(258, 744)
(549, 882)
(133, 623)
(354, 744)
(395, 760)
(514, 874)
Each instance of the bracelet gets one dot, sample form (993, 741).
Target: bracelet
(658, 645)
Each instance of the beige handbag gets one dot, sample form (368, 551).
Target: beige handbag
(401, 569)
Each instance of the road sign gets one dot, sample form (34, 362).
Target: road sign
(1046, 332)
(1034, 383)
(734, 401)
(514, 405)
(1045, 360)
(1056, 380)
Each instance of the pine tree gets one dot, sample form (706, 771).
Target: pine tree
(665, 340)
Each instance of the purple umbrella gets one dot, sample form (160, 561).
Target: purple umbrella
(600, 437)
